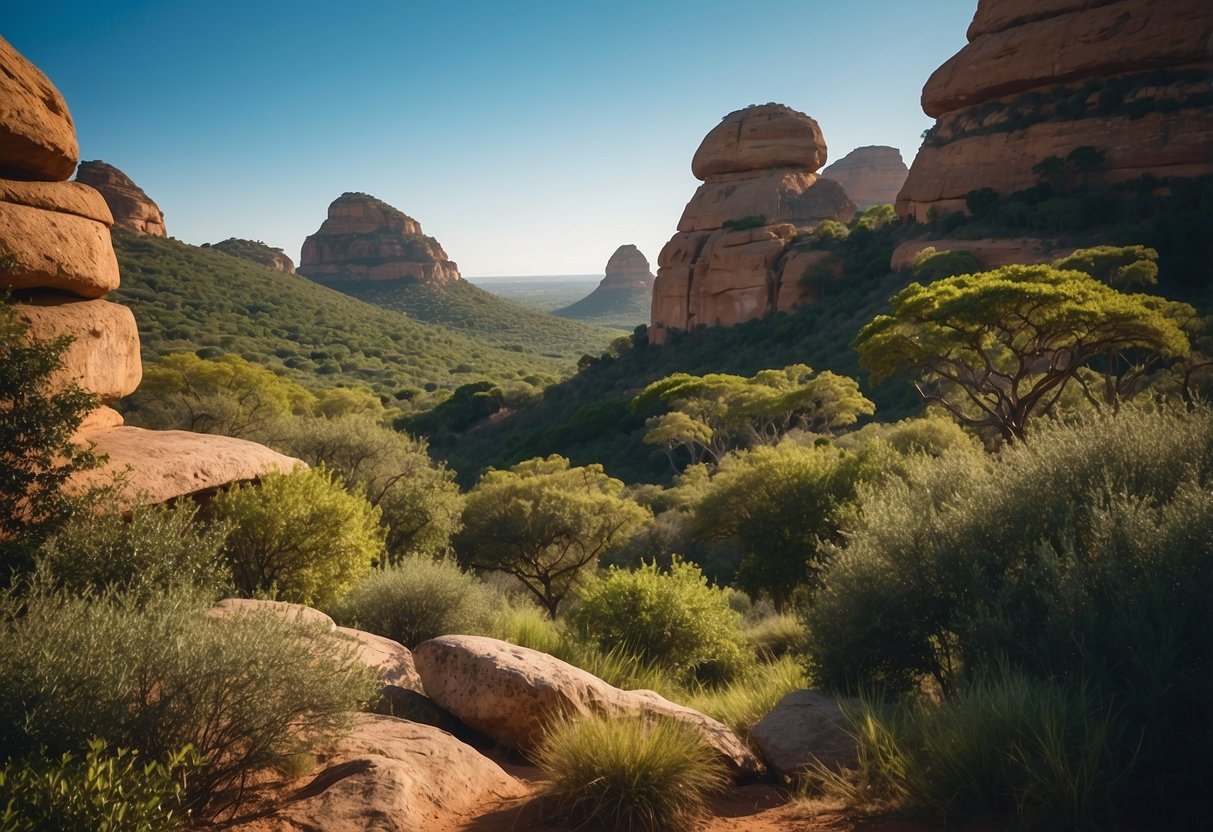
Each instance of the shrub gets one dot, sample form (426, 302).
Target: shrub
(628, 773)
(745, 223)
(243, 691)
(105, 791)
(750, 697)
(156, 548)
(419, 599)
(300, 536)
(674, 619)
(930, 264)
(775, 635)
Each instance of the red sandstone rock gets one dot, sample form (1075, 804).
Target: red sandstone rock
(37, 134)
(62, 197)
(134, 211)
(366, 239)
(56, 250)
(627, 269)
(870, 175)
(758, 138)
(989, 253)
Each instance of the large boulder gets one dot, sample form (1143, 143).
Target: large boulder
(37, 134)
(510, 694)
(870, 175)
(288, 612)
(134, 211)
(54, 243)
(390, 775)
(806, 729)
(758, 138)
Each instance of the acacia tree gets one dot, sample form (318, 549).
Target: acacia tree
(545, 523)
(713, 414)
(998, 348)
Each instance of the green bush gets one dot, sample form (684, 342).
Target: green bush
(155, 676)
(105, 791)
(300, 536)
(628, 773)
(418, 599)
(749, 697)
(930, 264)
(157, 547)
(674, 619)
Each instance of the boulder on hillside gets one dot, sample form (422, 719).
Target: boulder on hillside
(805, 730)
(509, 693)
(293, 613)
(37, 134)
(134, 211)
(870, 175)
(390, 775)
(257, 251)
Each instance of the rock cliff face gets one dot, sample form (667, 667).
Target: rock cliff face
(870, 175)
(623, 293)
(366, 239)
(58, 261)
(133, 210)
(257, 251)
(1041, 78)
(731, 258)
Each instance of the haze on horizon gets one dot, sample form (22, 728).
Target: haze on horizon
(529, 138)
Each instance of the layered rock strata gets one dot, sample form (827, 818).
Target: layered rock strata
(627, 285)
(134, 211)
(364, 238)
(870, 175)
(729, 261)
(1130, 78)
(57, 258)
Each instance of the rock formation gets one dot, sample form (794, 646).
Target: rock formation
(625, 288)
(806, 729)
(133, 210)
(1038, 79)
(257, 251)
(58, 261)
(366, 239)
(730, 260)
(870, 175)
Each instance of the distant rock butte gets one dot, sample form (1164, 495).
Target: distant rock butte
(1042, 77)
(256, 251)
(366, 239)
(624, 291)
(134, 211)
(627, 269)
(58, 261)
(870, 175)
(732, 258)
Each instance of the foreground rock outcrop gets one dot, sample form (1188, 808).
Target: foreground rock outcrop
(870, 175)
(256, 251)
(1129, 77)
(364, 238)
(728, 262)
(806, 729)
(509, 693)
(58, 260)
(134, 211)
(625, 288)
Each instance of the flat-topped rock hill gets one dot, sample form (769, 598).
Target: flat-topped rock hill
(134, 211)
(256, 251)
(622, 296)
(59, 265)
(871, 175)
(1130, 78)
(731, 259)
(364, 238)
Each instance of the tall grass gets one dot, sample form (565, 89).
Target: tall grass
(634, 774)
(749, 698)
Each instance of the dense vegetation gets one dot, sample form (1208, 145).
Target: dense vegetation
(619, 308)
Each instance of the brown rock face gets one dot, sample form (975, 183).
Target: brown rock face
(367, 239)
(133, 210)
(870, 175)
(1041, 78)
(257, 251)
(991, 254)
(729, 261)
(37, 134)
(627, 269)
(806, 729)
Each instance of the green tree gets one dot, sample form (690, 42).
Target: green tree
(1085, 160)
(1052, 172)
(38, 417)
(783, 505)
(998, 348)
(546, 523)
(299, 535)
(1121, 267)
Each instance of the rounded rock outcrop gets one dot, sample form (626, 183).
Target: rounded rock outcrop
(758, 138)
(134, 211)
(870, 175)
(37, 134)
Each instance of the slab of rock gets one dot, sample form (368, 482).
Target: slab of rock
(870, 175)
(509, 693)
(806, 729)
(990, 253)
(364, 238)
(54, 250)
(167, 464)
(103, 357)
(293, 613)
(61, 197)
(391, 658)
(37, 134)
(758, 138)
(134, 211)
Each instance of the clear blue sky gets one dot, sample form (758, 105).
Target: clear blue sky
(528, 137)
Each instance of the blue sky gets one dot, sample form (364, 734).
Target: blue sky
(528, 137)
